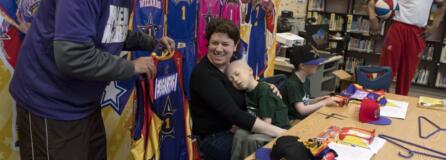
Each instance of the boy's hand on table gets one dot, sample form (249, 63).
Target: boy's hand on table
(321, 98)
(330, 101)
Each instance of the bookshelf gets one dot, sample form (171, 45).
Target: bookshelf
(334, 13)
(349, 19)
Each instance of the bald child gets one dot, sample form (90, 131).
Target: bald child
(260, 99)
(261, 102)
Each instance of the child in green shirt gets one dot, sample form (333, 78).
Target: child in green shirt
(261, 102)
(260, 99)
(296, 90)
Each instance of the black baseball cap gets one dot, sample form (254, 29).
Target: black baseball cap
(290, 148)
(303, 54)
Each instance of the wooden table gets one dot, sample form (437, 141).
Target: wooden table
(403, 129)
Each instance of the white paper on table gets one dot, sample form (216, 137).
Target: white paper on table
(395, 109)
(377, 144)
(348, 152)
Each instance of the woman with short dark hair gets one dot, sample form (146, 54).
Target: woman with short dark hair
(215, 104)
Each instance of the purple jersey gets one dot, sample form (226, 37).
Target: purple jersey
(38, 84)
(149, 17)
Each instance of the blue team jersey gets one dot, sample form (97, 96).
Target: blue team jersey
(181, 19)
(169, 104)
(38, 84)
(257, 57)
(148, 19)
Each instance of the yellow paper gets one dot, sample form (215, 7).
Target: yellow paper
(355, 141)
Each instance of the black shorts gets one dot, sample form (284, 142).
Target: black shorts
(46, 139)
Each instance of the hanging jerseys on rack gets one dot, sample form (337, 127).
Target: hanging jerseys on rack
(117, 94)
(245, 29)
(148, 17)
(257, 57)
(208, 9)
(9, 34)
(169, 102)
(146, 127)
(231, 11)
(257, 29)
(162, 114)
(181, 19)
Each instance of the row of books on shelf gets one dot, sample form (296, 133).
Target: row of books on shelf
(352, 62)
(441, 80)
(316, 5)
(428, 53)
(361, 24)
(336, 22)
(421, 76)
(443, 55)
(333, 45)
(318, 17)
(361, 45)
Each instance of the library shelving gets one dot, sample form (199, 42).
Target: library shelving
(349, 19)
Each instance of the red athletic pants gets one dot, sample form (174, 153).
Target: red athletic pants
(402, 50)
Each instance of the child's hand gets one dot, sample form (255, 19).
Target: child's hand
(338, 99)
(321, 98)
(330, 101)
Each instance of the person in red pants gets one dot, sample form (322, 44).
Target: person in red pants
(405, 39)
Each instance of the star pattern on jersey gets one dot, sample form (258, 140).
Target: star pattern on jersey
(112, 94)
(167, 130)
(149, 28)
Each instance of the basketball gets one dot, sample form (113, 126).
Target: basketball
(385, 9)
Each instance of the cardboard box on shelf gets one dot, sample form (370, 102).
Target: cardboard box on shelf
(344, 78)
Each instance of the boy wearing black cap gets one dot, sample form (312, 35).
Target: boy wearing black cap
(296, 91)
